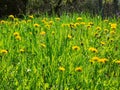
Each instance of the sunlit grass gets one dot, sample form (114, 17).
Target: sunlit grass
(73, 52)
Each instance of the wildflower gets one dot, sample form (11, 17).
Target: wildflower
(31, 16)
(102, 43)
(102, 60)
(82, 23)
(36, 25)
(2, 21)
(72, 25)
(43, 21)
(51, 22)
(94, 59)
(30, 33)
(113, 26)
(96, 34)
(69, 37)
(98, 28)
(105, 20)
(28, 21)
(48, 26)
(43, 45)
(79, 69)
(112, 32)
(22, 50)
(53, 32)
(79, 18)
(93, 49)
(42, 33)
(88, 26)
(111, 39)
(23, 21)
(77, 24)
(16, 33)
(16, 24)
(28, 70)
(81, 43)
(63, 25)
(90, 23)
(76, 48)
(57, 19)
(16, 19)
(11, 16)
(18, 37)
(106, 30)
(61, 68)
(118, 61)
(4, 51)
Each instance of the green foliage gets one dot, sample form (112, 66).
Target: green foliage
(19, 7)
(73, 52)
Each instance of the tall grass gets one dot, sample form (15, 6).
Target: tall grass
(68, 53)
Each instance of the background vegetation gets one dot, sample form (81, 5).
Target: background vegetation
(62, 51)
(18, 7)
(67, 53)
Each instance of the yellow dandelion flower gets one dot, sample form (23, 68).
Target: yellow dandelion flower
(4, 51)
(11, 16)
(64, 25)
(53, 32)
(82, 23)
(111, 39)
(79, 69)
(106, 30)
(113, 25)
(88, 26)
(16, 34)
(77, 24)
(102, 43)
(28, 21)
(22, 50)
(79, 18)
(42, 33)
(30, 33)
(69, 37)
(72, 25)
(94, 59)
(93, 49)
(118, 61)
(76, 48)
(61, 68)
(36, 25)
(51, 22)
(102, 60)
(96, 34)
(112, 32)
(2, 21)
(98, 28)
(57, 19)
(48, 26)
(31, 16)
(18, 37)
(16, 19)
(43, 45)
(43, 21)
(91, 23)
(105, 20)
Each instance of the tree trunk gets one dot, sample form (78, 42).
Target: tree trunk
(115, 4)
(101, 8)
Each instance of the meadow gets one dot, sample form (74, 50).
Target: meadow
(71, 52)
